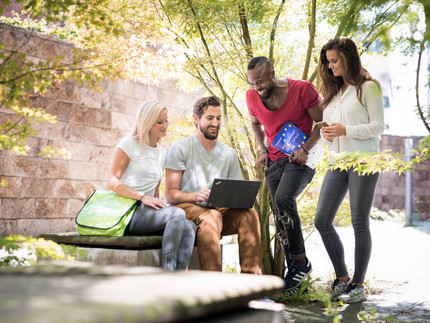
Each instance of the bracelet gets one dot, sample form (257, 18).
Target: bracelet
(143, 195)
(264, 152)
(306, 151)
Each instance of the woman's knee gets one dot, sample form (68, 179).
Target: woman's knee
(318, 223)
(177, 213)
(322, 224)
(190, 226)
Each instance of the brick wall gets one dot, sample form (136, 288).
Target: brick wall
(390, 192)
(44, 195)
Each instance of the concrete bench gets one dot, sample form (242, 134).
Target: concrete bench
(106, 250)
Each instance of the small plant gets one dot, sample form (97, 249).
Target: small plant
(17, 251)
(372, 317)
(312, 293)
(231, 269)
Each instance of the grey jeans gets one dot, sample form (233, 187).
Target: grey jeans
(178, 233)
(361, 193)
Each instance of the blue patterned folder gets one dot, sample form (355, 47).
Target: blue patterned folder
(289, 138)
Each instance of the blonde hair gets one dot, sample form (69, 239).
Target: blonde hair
(146, 116)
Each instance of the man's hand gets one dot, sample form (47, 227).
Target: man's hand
(264, 159)
(298, 156)
(202, 195)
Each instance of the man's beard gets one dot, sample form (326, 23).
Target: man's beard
(208, 135)
(268, 93)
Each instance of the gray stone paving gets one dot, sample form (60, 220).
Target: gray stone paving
(398, 281)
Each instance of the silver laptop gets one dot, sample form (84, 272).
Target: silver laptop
(232, 193)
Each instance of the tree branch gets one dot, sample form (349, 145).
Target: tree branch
(245, 31)
(273, 30)
(417, 87)
(311, 42)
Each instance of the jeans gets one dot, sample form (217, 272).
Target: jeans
(178, 233)
(361, 193)
(286, 181)
(213, 224)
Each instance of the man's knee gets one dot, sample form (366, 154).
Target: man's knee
(249, 216)
(285, 202)
(210, 220)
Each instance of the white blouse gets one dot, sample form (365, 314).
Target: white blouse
(364, 123)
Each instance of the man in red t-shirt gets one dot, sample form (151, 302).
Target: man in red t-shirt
(271, 103)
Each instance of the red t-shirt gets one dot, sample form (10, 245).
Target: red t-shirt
(301, 95)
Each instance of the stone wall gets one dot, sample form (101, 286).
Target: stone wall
(44, 195)
(390, 192)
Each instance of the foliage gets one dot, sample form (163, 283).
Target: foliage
(102, 41)
(313, 293)
(373, 317)
(17, 250)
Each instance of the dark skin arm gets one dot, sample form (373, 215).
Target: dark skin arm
(298, 156)
(256, 125)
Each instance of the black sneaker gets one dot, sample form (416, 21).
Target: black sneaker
(296, 290)
(296, 275)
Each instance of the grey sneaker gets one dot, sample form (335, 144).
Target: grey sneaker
(338, 288)
(353, 294)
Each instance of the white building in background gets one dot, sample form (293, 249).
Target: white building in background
(397, 76)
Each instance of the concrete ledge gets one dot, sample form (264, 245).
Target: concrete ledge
(77, 292)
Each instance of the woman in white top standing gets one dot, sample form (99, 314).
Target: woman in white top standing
(353, 110)
(136, 173)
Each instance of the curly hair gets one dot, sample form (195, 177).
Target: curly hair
(355, 73)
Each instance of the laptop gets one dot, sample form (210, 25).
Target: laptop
(232, 193)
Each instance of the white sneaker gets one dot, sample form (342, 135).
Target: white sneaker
(353, 294)
(338, 288)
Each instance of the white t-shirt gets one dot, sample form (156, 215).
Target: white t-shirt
(364, 123)
(145, 168)
(200, 166)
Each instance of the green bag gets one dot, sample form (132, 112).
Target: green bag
(105, 213)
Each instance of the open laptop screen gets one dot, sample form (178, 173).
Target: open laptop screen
(232, 193)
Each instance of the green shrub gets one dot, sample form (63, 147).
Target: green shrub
(17, 250)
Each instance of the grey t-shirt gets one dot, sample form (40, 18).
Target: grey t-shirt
(201, 167)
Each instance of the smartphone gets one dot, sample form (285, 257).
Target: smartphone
(322, 124)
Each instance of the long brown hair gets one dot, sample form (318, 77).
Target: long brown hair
(355, 73)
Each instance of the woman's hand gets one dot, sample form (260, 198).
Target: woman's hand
(154, 202)
(332, 131)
